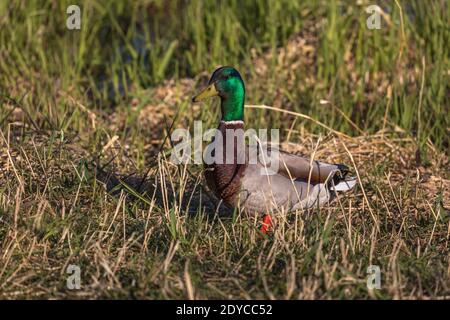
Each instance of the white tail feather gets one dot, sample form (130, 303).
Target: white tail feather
(344, 185)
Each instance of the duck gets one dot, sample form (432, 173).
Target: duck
(297, 183)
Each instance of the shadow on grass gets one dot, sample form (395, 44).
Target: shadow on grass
(143, 188)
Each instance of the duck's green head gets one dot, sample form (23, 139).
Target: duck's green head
(226, 82)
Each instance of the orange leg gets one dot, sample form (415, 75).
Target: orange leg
(267, 224)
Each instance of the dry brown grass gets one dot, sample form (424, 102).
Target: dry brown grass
(167, 238)
(169, 243)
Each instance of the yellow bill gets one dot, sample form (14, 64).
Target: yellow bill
(209, 91)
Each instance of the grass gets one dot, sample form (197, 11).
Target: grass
(110, 92)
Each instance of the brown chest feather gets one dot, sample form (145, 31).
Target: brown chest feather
(225, 178)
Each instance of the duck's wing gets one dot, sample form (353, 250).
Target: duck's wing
(261, 193)
(298, 167)
(296, 183)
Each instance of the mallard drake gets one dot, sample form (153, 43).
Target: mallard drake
(298, 184)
